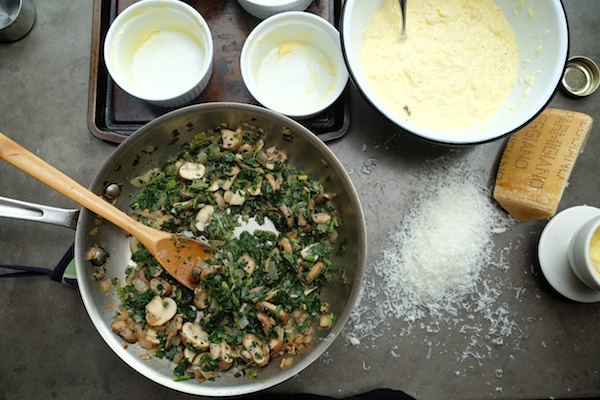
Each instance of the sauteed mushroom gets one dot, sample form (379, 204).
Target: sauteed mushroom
(253, 301)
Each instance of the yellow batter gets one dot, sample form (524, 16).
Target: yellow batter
(455, 69)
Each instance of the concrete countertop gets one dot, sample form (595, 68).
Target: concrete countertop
(50, 348)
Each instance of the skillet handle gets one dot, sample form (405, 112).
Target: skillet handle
(17, 209)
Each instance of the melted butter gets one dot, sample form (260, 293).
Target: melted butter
(167, 63)
(595, 250)
(457, 67)
(296, 74)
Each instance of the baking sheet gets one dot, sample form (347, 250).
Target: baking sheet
(113, 114)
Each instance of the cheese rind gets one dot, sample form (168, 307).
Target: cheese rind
(537, 162)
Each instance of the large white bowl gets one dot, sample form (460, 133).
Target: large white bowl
(543, 40)
(160, 51)
(266, 8)
(292, 63)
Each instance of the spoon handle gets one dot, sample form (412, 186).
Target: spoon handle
(29, 163)
(403, 11)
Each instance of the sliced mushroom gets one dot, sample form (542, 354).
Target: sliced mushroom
(152, 337)
(161, 287)
(233, 171)
(201, 299)
(215, 185)
(326, 321)
(190, 171)
(314, 271)
(139, 281)
(249, 264)
(207, 271)
(257, 350)
(226, 361)
(255, 189)
(275, 346)
(193, 335)
(287, 214)
(322, 198)
(266, 322)
(160, 310)
(300, 315)
(152, 215)
(163, 219)
(232, 140)
(173, 328)
(277, 311)
(246, 148)
(186, 194)
(228, 183)
(203, 217)
(134, 244)
(286, 362)
(219, 200)
(125, 329)
(222, 352)
(286, 245)
(321, 218)
(302, 222)
(275, 185)
(274, 155)
(234, 198)
(189, 354)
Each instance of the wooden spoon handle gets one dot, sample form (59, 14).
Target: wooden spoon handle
(29, 163)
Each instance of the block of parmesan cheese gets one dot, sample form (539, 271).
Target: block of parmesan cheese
(537, 162)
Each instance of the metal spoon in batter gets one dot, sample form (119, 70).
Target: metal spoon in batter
(403, 11)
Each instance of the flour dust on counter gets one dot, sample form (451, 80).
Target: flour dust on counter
(441, 271)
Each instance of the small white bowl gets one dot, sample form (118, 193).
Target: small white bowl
(266, 8)
(160, 51)
(292, 63)
(580, 258)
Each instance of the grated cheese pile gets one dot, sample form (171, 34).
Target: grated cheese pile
(432, 273)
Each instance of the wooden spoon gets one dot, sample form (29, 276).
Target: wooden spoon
(178, 256)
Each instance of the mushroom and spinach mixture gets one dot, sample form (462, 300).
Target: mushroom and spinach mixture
(272, 232)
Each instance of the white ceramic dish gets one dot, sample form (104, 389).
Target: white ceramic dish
(579, 254)
(266, 8)
(160, 51)
(541, 32)
(553, 252)
(292, 63)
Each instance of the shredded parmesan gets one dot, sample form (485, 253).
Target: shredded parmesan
(432, 275)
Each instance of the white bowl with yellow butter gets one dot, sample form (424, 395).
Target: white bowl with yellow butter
(160, 51)
(584, 253)
(292, 63)
(468, 72)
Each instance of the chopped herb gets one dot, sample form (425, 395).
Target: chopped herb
(254, 284)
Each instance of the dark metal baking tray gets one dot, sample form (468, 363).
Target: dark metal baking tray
(113, 115)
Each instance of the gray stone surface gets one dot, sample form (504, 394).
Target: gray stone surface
(50, 349)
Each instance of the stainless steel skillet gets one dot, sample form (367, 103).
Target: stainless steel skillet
(150, 147)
